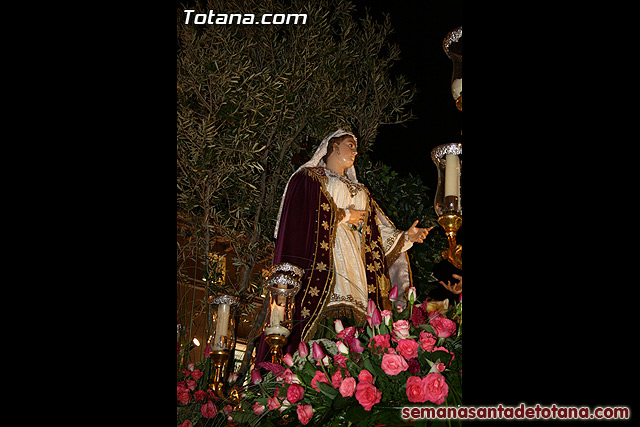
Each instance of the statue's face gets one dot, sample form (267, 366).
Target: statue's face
(346, 152)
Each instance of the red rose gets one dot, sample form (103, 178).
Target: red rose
(209, 410)
(435, 388)
(408, 349)
(183, 395)
(368, 395)
(378, 343)
(197, 374)
(393, 364)
(336, 378)
(199, 395)
(443, 327)
(295, 393)
(305, 412)
(415, 391)
(427, 341)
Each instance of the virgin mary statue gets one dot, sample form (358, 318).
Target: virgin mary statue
(329, 225)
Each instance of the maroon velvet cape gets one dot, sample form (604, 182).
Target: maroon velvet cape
(306, 238)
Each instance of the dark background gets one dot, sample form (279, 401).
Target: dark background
(549, 187)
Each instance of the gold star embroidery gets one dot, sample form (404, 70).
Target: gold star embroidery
(324, 245)
(367, 248)
(377, 264)
(325, 225)
(376, 255)
(321, 266)
(326, 206)
(305, 312)
(370, 267)
(313, 291)
(372, 289)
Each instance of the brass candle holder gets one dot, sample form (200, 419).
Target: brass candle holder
(448, 199)
(222, 341)
(283, 285)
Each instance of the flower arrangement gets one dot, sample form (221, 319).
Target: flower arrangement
(408, 357)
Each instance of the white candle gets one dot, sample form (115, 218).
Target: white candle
(222, 324)
(456, 88)
(277, 316)
(452, 176)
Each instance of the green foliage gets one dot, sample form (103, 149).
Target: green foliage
(405, 199)
(249, 95)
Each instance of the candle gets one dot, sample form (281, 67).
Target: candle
(277, 316)
(452, 176)
(222, 325)
(456, 88)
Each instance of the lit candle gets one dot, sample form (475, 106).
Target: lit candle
(452, 176)
(277, 316)
(222, 325)
(456, 88)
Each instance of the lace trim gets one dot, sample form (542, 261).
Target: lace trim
(351, 186)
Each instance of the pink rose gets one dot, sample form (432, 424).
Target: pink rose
(401, 329)
(209, 410)
(197, 374)
(320, 376)
(347, 387)
(258, 408)
(191, 384)
(340, 359)
(442, 326)
(187, 423)
(273, 403)
(415, 391)
(393, 364)
(305, 412)
(295, 393)
(408, 348)
(288, 377)
(365, 375)
(438, 367)
(288, 359)
(199, 395)
(337, 324)
(367, 395)
(427, 341)
(379, 342)
(435, 388)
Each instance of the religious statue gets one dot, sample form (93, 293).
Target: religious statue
(330, 226)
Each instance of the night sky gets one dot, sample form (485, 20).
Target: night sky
(420, 27)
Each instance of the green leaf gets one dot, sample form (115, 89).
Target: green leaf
(327, 390)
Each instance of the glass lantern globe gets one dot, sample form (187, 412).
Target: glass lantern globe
(448, 198)
(452, 46)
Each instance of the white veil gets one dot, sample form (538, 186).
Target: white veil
(316, 160)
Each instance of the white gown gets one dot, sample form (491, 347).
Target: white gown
(350, 276)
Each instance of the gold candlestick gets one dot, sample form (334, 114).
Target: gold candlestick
(451, 222)
(216, 376)
(277, 343)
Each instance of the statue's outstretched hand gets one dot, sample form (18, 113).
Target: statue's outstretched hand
(417, 235)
